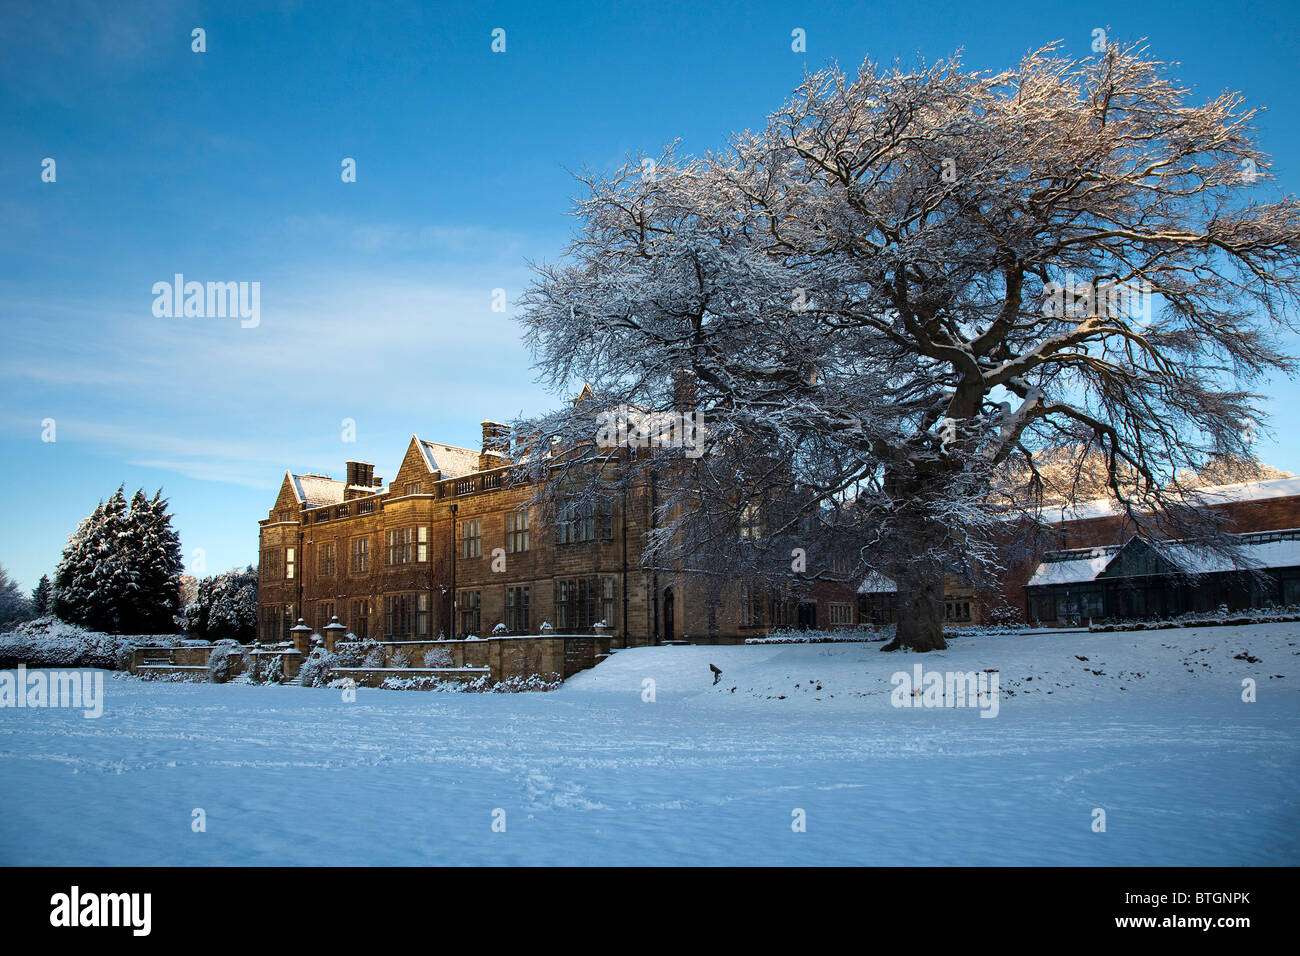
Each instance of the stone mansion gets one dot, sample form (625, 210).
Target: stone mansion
(450, 548)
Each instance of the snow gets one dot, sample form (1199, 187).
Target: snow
(1210, 496)
(317, 490)
(877, 583)
(1257, 554)
(1148, 726)
(450, 460)
(1260, 550)
(1073, 567)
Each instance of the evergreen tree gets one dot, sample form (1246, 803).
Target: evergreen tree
(14, 606)
(42, 596)
(225, 607)
(121, 569)
(75, 575)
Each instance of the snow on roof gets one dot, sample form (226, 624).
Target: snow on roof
(1073, 567)
(877, 583)
(1211, 495)
(1265, 549)
(453, 462)
(316, 490)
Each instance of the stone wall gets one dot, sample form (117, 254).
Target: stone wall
(193, 661)
(509, 658)
(550, 657)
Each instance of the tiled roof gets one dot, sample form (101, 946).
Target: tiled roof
(316, 490)
(453, 462)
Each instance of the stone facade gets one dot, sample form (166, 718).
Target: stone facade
(449, 548)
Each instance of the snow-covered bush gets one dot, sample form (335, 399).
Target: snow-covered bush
(500, 629)
(50, 642)
(266, 668)
(317, 668)
(1220, 617)
(786, 635)
(401, 658)
(227, 659)
(438, 657)
(359, 653)
(482, 684)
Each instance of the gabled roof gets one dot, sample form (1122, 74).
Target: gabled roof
(1260, 550)
(453, 462)
(316, 490)
(1073, 567)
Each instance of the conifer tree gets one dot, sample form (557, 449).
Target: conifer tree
(121, 569)
(42, 596)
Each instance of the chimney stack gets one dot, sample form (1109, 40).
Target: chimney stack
(496, 446)
(361, 474)
(496, 439)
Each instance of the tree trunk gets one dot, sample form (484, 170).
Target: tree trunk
(920, 607)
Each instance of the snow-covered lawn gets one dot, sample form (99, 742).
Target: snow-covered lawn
(1151, 728)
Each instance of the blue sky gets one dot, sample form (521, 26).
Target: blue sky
(376, 295)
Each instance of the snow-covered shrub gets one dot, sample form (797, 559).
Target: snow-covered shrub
(546, 627)
(316, 669)
(438, 657)
(227, 659)
(526, 684)
(1220, 617)
(501, 629)
(401, 658)
(50, 642)
(376, 656)
(786, 635)
(359, 653)
(266, 669)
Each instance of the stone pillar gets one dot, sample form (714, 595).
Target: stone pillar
(301, 635)
(334, 632)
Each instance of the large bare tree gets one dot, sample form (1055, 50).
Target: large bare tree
(908, 281)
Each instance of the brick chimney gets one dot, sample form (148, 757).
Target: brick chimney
(361, 474)
(496, 445)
